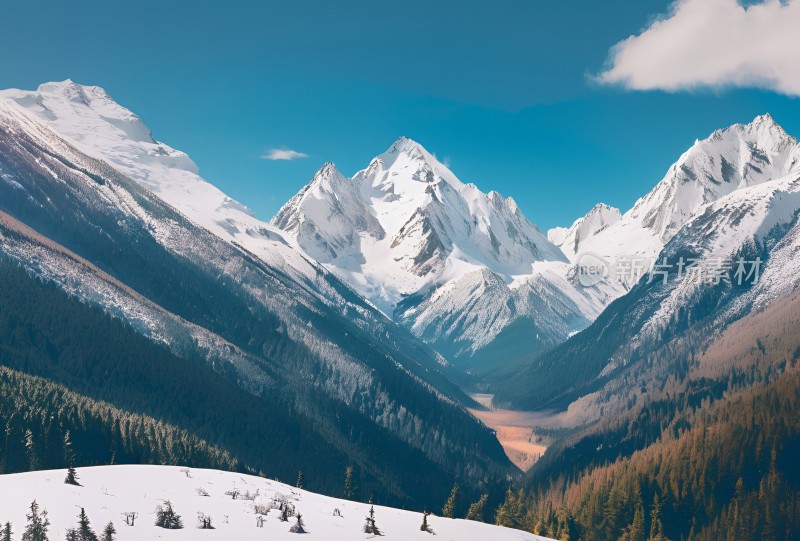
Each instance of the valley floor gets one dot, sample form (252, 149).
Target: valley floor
(110, 491)
(515, 431)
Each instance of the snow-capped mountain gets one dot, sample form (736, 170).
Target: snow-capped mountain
(729, 236)
(454, 264)
(227, 296)
(730, 159)
(112, 493)
(102, 128)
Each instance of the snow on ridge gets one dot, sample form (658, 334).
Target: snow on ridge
(99, 127)
(730, 159)
(110, 491)
(405, 226)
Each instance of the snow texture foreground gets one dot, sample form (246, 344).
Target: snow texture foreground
(110, 491)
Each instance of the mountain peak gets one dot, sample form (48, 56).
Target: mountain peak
(73, 91)
(405, 144)
(763, 131)
(328, 170)
(574, 238)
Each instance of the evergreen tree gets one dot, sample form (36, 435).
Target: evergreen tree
(475, 511)
(349, 485)
(84, 530)
(425, 527)
(636, 531)
(299, 526)
(69, 451)
(369, 526)
(30, 451)
(449, 509)
(167, 518)
(509, 514)
(72, 477)
(38, 524)
(109, 532)
(299, 479)
(656, 526)
(6, 533)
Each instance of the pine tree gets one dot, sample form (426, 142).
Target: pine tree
(84, 530)
(299, 526)
(509, 512)
(349, 486)
(69, 451)
(369, 526)
(6, 533)
(299, 479)
(656, 526)
(636, 530)
(449, 509)
(38, 523)
(30, 451)
(424, 527)
(72, 477)
(167, 518)
(475, 511)
(109, 532)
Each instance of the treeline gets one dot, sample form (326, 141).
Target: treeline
(46, 426)
(723, 469)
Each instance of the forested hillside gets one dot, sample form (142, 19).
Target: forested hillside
(710, 453)
(46, 426)
(47, 333)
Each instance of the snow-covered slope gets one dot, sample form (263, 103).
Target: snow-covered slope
(110, 491)
(100, 127)
(454, 264)
(736, 256)
(571, 239)
(730, 159)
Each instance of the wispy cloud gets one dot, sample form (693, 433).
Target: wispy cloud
(713, 44)
(283, 154)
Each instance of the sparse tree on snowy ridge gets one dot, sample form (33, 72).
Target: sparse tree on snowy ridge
(299, 526)
(109, 532)
(84, 530)
(204, 522)
(72, 477)
(369, 526)
(38, 523)
(6, 532)
(424, 527)
(167, 518)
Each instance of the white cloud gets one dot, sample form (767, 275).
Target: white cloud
(713, 43)
(283, 154)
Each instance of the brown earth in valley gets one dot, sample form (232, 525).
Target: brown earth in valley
(515, 431)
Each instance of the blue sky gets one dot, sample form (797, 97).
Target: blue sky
(505, 92)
